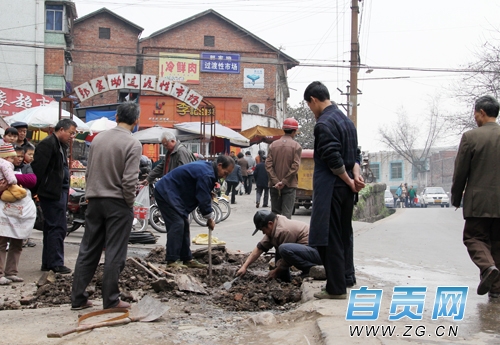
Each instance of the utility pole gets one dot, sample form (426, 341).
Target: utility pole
(353, 98)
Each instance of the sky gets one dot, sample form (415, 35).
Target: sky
(413, 47)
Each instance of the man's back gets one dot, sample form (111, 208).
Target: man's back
(476, 169)
(113, 165)
(283, 161)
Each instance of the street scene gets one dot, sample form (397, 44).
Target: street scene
(236, 173)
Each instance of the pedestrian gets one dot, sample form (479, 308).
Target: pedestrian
(336, 180)
(29, 152)
(19, 164)
(233, 156)
(282, 165)
(232, 181)
(22, 131)
(262, 183)
(407, 195)
(17, 224)
(50, 165)
(111, 178)
(260, 156)
(289, 238)
(176, 154)
(243, 163)
(251, 168)
(399, 194)
(178, 194)
(412, 193)
(476, 172)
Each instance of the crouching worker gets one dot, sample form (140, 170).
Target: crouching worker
(289, 238)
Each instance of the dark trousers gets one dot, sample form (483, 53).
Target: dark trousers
(248, 184)
(299, 255)
(108, 223)
(178, 241)
(231, 187)
(265, 201)
(283, 201)
(336, 257)
(482, 239)
(54, 230)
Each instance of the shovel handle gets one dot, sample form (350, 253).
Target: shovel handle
(89, 327)
(144, 268)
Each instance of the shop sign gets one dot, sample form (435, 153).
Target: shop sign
(183, 68)
(220, 62)
(14, 101)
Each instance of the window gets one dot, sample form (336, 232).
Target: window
(56, 94)
(54, 17)
(209, 41)
(105, 33)
(375, 170)
(414, 172)
(397, 171)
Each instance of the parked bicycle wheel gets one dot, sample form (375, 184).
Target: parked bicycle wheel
(139, 224)
(224, 207)
(198, 217)
(156, 220)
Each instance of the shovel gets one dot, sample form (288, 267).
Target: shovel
(227, 285)
(148, 309)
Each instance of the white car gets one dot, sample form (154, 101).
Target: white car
(388, 199)
(434, 196)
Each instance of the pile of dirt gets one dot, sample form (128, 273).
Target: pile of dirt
(253, 292)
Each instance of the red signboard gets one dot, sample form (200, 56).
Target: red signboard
(14, 101)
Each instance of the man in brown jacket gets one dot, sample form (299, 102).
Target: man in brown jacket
(282, 165)
(289, 238)
(476, 171)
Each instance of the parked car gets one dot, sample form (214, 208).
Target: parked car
(388, 199)
(434, 196)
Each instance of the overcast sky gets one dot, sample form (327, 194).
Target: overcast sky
(426, 34)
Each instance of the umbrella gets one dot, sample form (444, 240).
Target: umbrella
(220, 132)
(101, 125)
(44, 117)
(152, 135)
(259, 134)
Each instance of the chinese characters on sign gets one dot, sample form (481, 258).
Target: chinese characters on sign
(407, 301)
(253, 78)
(220, 63)
(128, 82)
(184, 68)
(184, 109)
(13, 101)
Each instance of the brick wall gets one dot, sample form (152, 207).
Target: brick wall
(54, 61)
(94, 57)
(189, 38)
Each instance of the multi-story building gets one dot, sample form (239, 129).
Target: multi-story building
(35, 42)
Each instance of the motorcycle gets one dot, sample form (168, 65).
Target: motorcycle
(75, 213)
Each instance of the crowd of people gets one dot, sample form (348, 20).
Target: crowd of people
(183, 184)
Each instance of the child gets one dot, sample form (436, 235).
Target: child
(8, 156)
(10, 136)
(19, 164)
(29, 152)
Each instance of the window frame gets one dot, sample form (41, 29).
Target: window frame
(392, 178)
(206, 42)
(104, 30)
(60, 9)
(372, 165)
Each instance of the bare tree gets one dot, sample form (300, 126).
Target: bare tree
(404, 137)
(484, 79)
(306, 120)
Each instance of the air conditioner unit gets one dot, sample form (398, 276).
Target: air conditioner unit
(257, 108)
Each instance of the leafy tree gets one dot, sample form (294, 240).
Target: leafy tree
(306, 120)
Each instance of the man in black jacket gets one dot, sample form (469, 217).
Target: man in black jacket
(50, 166)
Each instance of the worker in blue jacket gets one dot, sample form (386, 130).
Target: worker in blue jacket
(177, 194)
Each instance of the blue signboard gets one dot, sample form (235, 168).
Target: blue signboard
(220, 63)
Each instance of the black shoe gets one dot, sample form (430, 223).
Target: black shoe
(487, 279)
(61, 269)
(44, 268)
